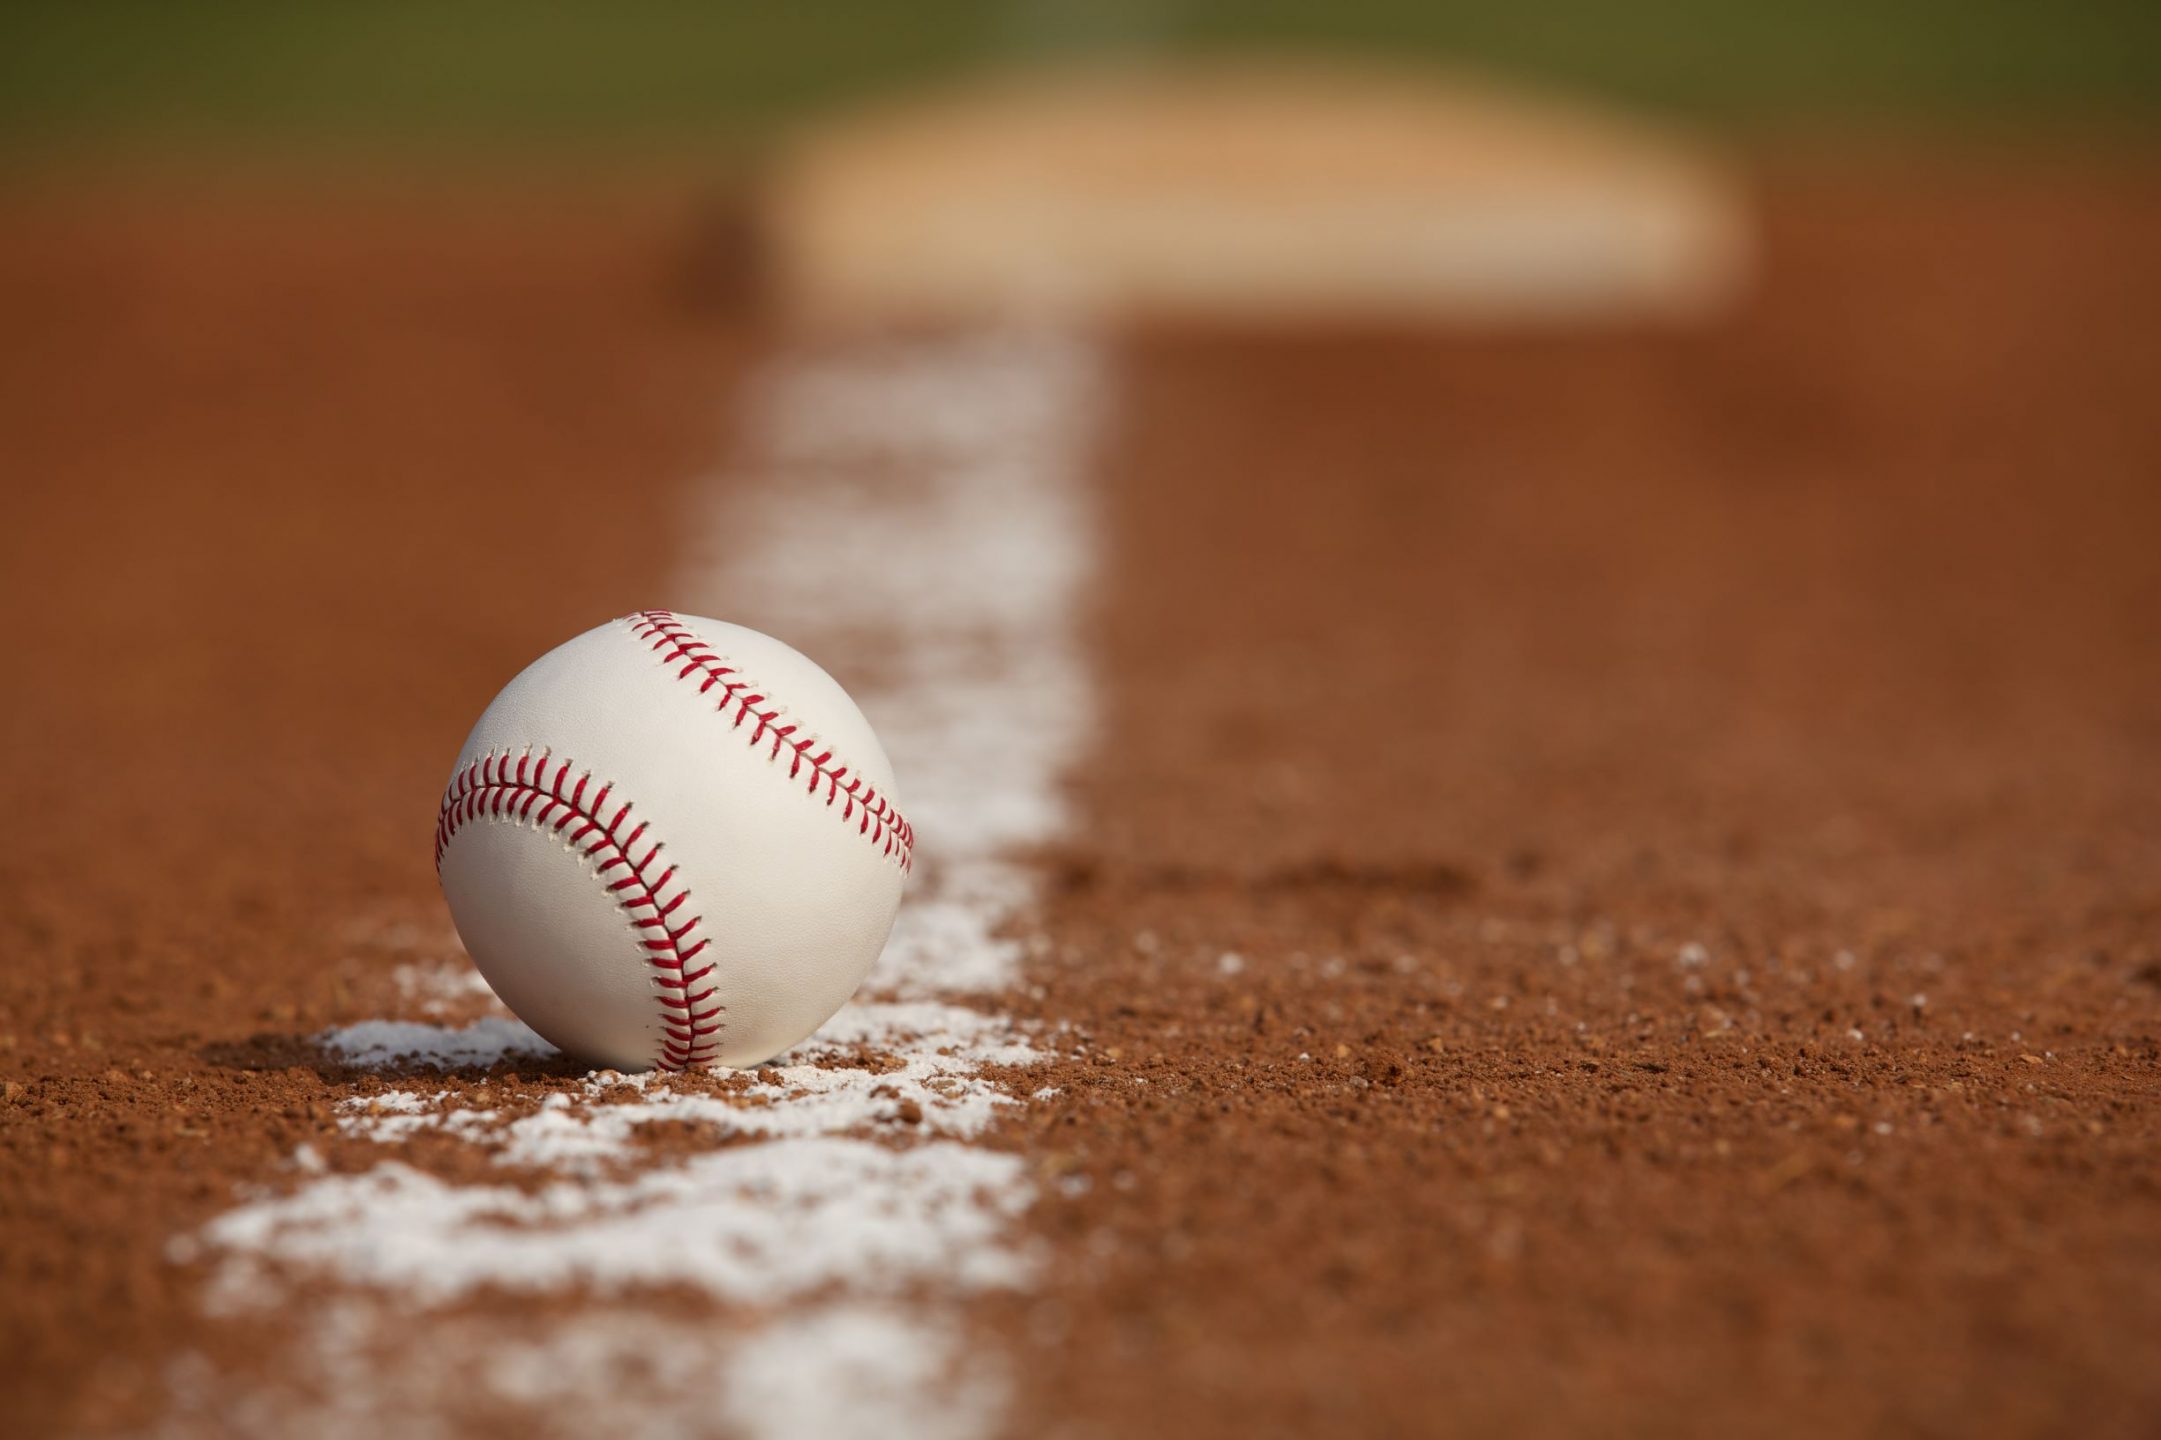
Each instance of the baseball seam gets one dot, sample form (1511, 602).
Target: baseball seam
(876, 818)
(489, 789)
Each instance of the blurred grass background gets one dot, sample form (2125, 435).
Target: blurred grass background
(482, 75)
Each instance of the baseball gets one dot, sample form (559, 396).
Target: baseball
(672, 842)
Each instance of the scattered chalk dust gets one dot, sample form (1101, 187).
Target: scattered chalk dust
(767, 1251)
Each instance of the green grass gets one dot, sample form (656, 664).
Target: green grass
(1776, 60)
(487, 74)
(455, 72)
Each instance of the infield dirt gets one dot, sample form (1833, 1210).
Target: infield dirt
(1619, 888)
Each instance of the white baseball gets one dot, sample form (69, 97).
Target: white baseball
(672, 842)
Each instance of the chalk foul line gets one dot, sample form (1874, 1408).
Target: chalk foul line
(911, 513)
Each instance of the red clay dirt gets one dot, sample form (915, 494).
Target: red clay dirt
(298, 478)
(1620, 884)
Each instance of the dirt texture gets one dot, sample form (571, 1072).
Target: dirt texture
(1620, 883)
(298, 476)
(1624, 892)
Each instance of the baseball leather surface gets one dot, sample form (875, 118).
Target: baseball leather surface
(671, 842)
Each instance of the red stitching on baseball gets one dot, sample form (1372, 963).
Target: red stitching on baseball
(876, 818)
(489, 788)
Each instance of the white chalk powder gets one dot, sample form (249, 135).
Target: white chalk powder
(381, 1044)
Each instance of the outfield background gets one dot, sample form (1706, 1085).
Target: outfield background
(480, 75)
